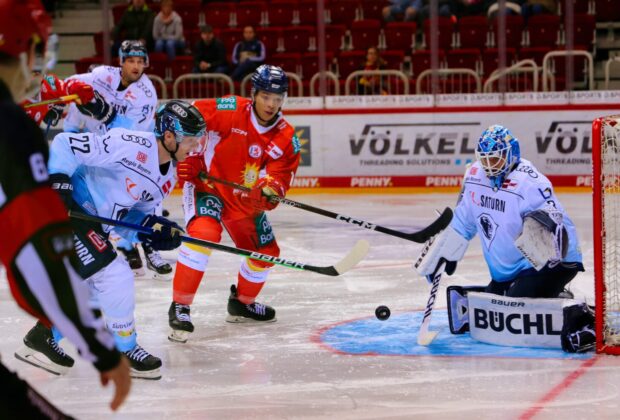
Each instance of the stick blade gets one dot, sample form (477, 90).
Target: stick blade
(354, 256)
(434, 228)
(426, 338)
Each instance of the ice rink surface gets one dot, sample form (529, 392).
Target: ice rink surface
(284, 369)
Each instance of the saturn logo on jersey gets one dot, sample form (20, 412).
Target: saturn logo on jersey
(130, 186)
(255, 151)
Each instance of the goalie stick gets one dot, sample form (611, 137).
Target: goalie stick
(425, 336)
(61, 99)
(420, 236)
(354, 256)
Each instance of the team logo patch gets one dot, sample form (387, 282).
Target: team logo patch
(130, 186)
(274, 151)
(130, 96)
(141, 157)
(296, 144)
(176, 108)
(255, 151)
(209, 205)
(488, 226)
(263, 230)
(473, 171)
(226, 104)
(97, 240)
(142, 141)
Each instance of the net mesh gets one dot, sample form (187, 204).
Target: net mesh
(610, 217)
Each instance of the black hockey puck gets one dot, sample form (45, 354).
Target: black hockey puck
(165, 213)
(382, 312)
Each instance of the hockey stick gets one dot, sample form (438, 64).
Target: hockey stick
(420, 236)
(425, 337)
(354, 256)
(66, 98)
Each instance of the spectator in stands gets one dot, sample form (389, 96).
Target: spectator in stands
(445, 8)
(247, 54)
(513, 7)
(136, 23)
(408, 9)
(538, 7)
(168, 30)
(469, 8)
(372, 85)
(209, 53)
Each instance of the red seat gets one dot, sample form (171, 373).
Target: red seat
(290, 62)
(584, 27)
(365, 33)
(342, 12)
(607, 10)
(281, 12)
(250, 13)
(270, 37)
(513, 33)
(465, 58)
(307, 12)
(543, 30)
(350, 61)
(393, 59)
(297, 38)
(473, 31)
(421, 60)
(83, 64)
(218, 14)
(334, 37)
(189, 14)
(98, 40)
(158, 62)
(534, 53)
(310, 63)
(117, 11)
(445, 30)
(400, 35)
(230, 36)
(191, 37)
(182, 64)
(373, 9)
(490, 59)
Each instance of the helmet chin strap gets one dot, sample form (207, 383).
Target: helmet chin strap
(172, 153)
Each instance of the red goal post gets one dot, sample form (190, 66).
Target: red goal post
(606, 220)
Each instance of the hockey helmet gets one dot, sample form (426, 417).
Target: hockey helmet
(498, 152)
(180, 118)
(270, 79)
(22, 23)
(132, 48)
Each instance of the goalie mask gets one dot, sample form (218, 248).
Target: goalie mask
(181, 119)
(498, 153)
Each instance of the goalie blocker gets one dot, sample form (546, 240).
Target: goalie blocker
(565, 324)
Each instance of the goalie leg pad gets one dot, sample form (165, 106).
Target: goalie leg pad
(458, 308)
(447, 247)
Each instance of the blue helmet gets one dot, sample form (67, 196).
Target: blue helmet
(180, 118)
(270, 79)
(498, 153)
(130, 48)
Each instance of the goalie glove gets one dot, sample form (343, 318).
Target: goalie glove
(544, 238)
(441, 252)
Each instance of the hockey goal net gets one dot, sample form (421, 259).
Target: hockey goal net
(606, 206)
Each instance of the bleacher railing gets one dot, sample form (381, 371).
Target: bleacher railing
(204, 85)
(522, 67)
(458, 79)
(376, 82)
(162, 85)
(549, 73)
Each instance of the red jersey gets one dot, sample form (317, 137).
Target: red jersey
(240, 150)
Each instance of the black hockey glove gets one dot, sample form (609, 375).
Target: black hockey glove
(98, 109)
(166, 234)
(54, 114)
(61, 183)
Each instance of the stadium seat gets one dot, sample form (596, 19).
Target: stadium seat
(310, 63)
(583, 34)
(158, 62)
(513, 32)
(218, 14)
(365, 33)
(543, 30)
(182, 64)
(490, 59)
(473, 32)
(290, 62)
(350, 61)
(373, 9)
(607, 11)
(98, 40)
(534, 53)
(117, 11)
(445, 30)
(400, 35)
(250, 13)
(271, 37)
(282, 12)
(579, 6)
(307, 12)
(230, 36)
(393, 59)
(465, 58)
(342, 12)
(421, 60)
(297, 38)
(189, 13)
(334, 34)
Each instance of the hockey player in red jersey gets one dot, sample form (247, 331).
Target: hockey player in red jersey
(249, 143)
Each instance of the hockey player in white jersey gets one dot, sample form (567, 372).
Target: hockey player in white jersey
(528, 241)
(127, 99)
(122, 174)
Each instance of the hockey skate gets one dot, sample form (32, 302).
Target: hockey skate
(156, 264)
(133, 258)
(41, 350)
(255, 312)
(180, 322)
(143, 364)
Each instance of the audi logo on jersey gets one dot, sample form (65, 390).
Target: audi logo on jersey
(137, 139)
(176, 108)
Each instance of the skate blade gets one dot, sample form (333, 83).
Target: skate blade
(38, 359)
(179, 336)
(236, 319)
(157, 276)
(152, 375)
